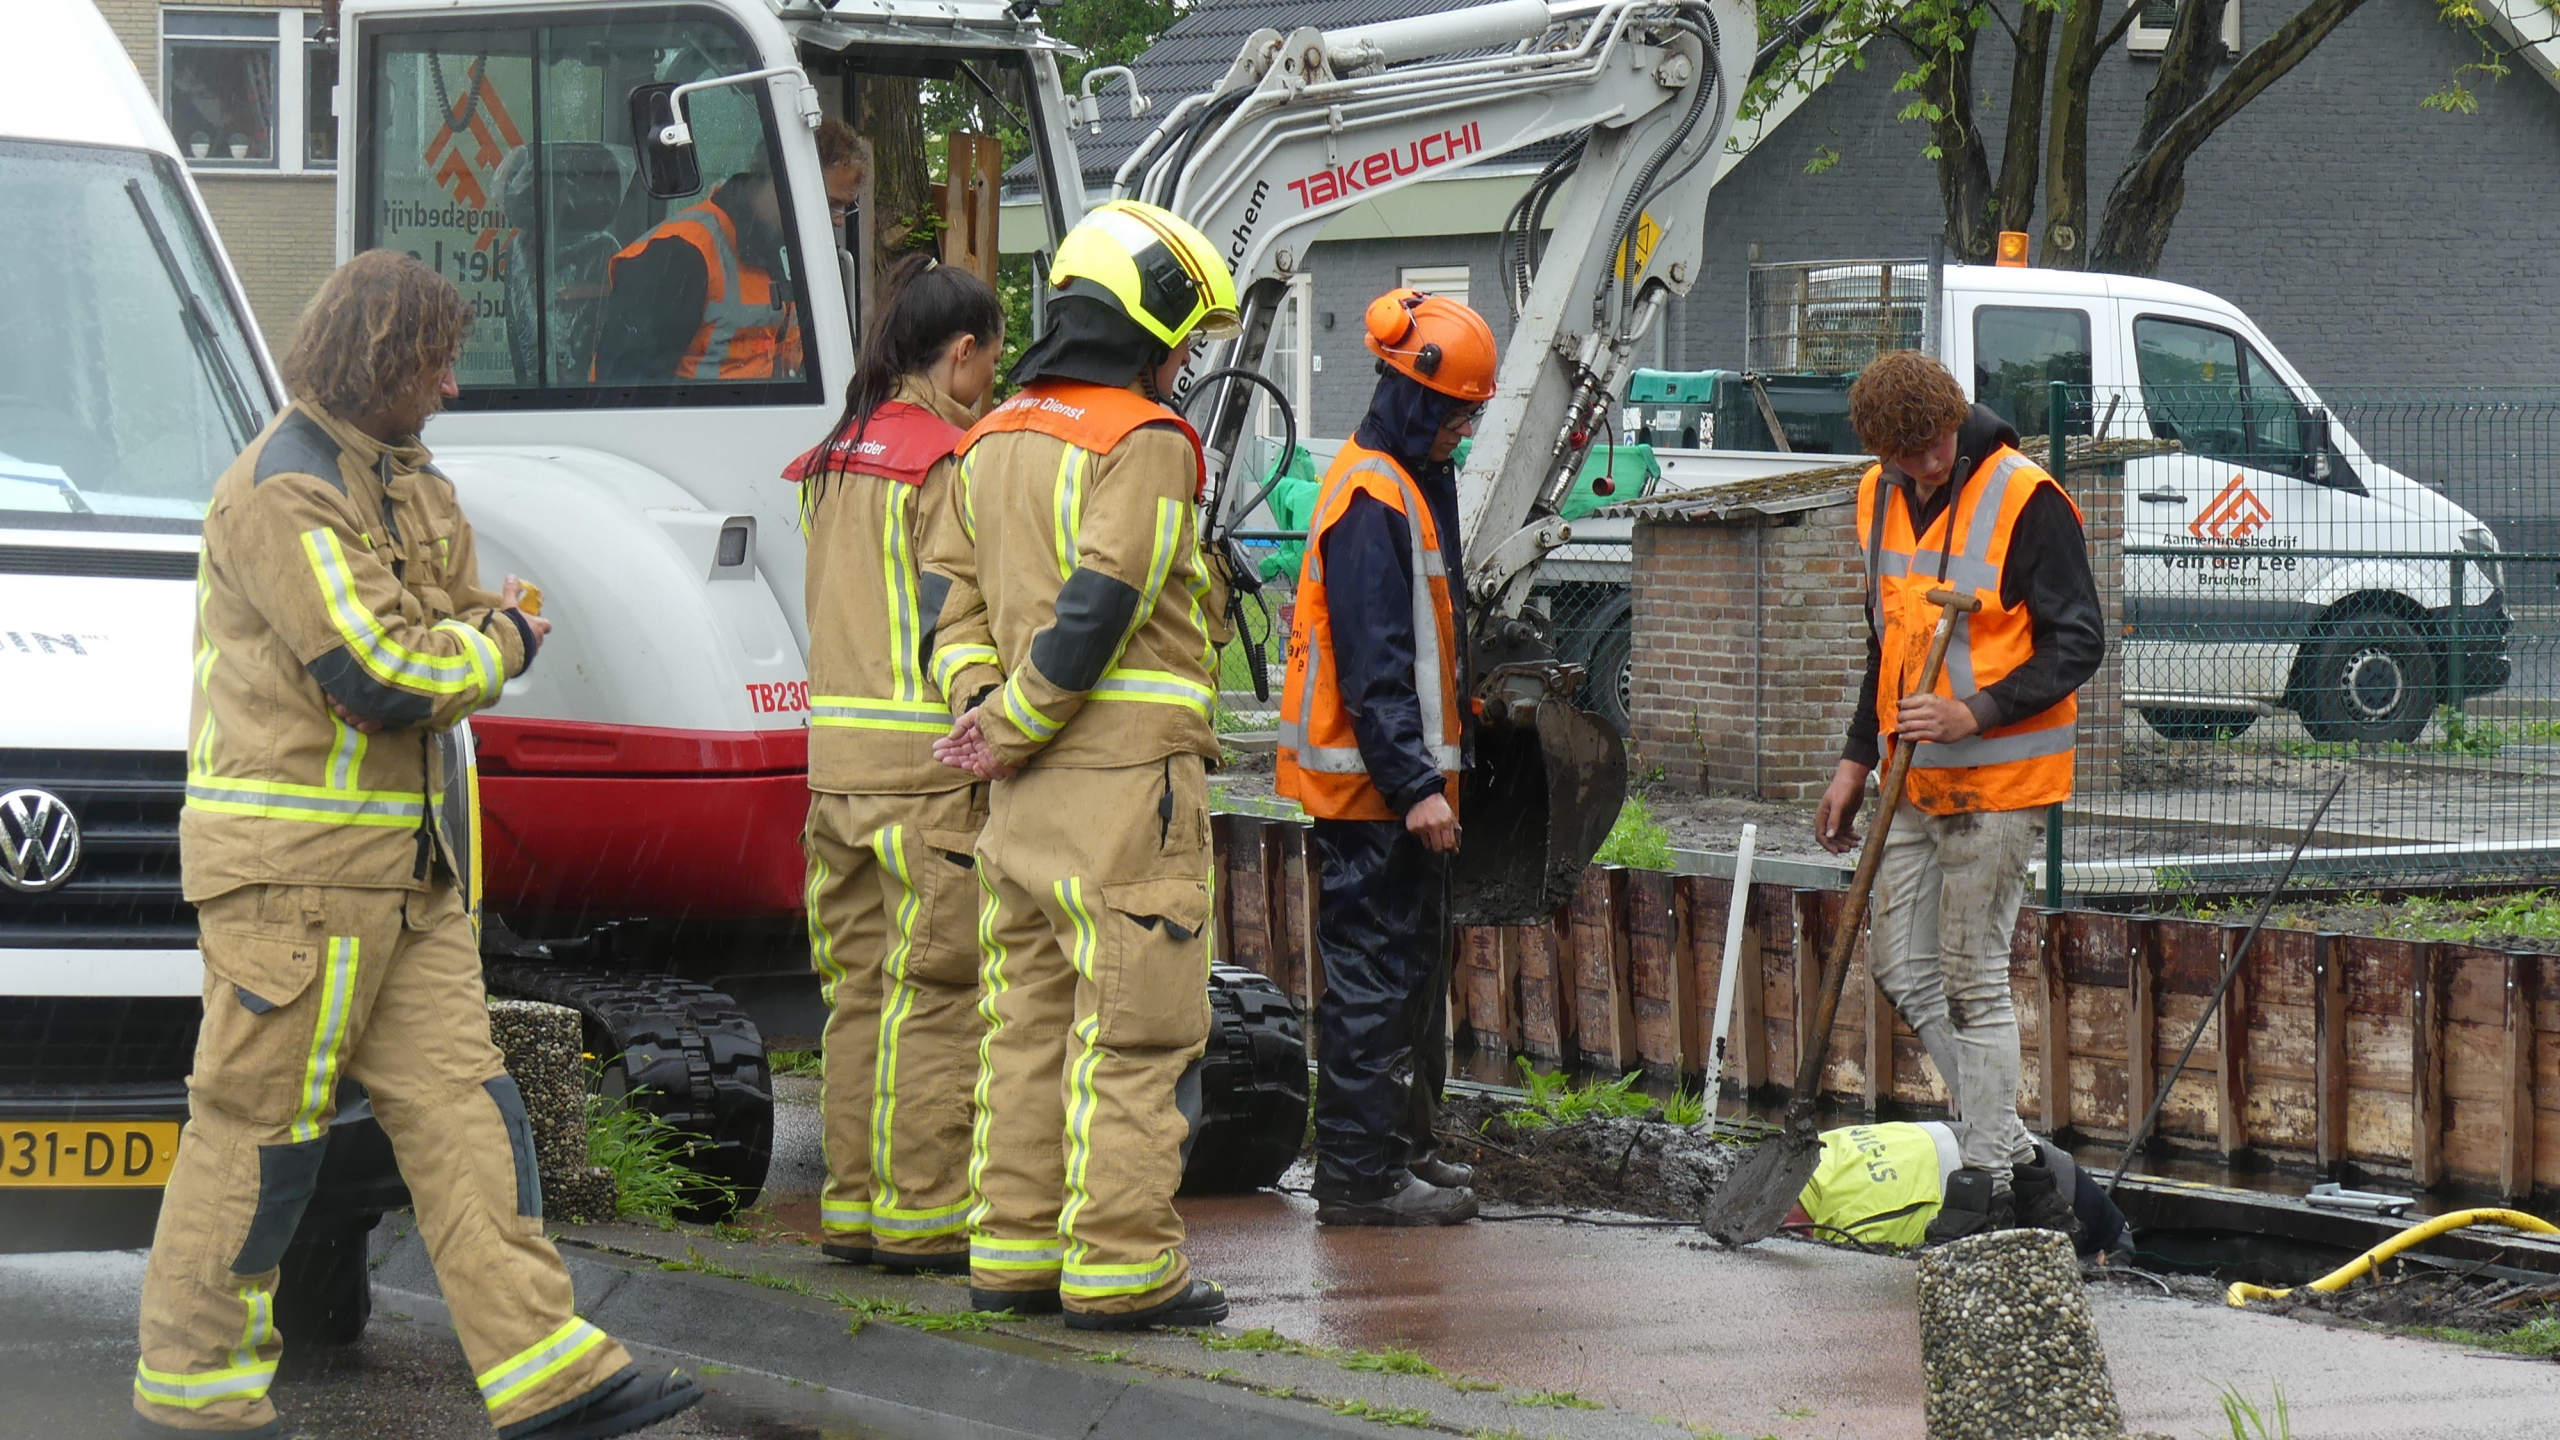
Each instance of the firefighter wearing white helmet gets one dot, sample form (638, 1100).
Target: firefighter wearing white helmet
(1075, 642)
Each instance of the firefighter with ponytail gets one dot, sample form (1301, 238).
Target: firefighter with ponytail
(891, 901)
(1078, 641)
(1374, 730)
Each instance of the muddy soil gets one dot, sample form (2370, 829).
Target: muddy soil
(2430, 1299)
(1635, 1166)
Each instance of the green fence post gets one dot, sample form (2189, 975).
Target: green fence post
(2453, 641)
(2057, 414)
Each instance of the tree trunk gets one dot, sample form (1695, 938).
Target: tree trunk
(2146, 199)
(892, 118)
(1964, 171)
(2021, 151)
(2066, 189)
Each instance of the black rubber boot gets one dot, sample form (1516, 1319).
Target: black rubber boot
(847, 1254)
(142, 1429)
(1020, 1302)
(1201, 1304)
(2040, 1203)
(1971, 1207)
(950, 1262)
(629, 1401)
(1415, 1202)
(1442, 1174)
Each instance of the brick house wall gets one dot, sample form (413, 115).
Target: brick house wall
(279, 229)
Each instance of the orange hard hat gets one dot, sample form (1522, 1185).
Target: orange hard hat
(1435, 341)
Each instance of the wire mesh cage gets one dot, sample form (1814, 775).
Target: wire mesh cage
(1834, 316)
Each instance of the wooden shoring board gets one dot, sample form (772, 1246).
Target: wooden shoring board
(2427, 1111)
(2517, 1124)
(2484, 1029)
(1249, 900)
(2053, 1056)
(1702, 903)
(2186, 959)
(1487, 981)
(1661, 986)
(1546, 990)
(2231, 1049)
(1812, 937)
(1603, 1000)
(1296, 892)
(2381, 1050)
(2141, 1027)
(2280, 1048)
(2097, 967)
(2026, 1000)
(2330, 1066)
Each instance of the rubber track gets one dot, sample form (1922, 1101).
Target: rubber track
(690, 1050)
(1253, 1086)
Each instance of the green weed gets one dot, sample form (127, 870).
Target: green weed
(2466, 736)
(1108, 1357)
(1557, 1400)
(2249, 1423)
(2542, 1337)
(1795, 1412)
(1384, 1414)
(1260, 1341)
(1555, 1100)
(898, 1312)
(1685, 1107)
(2541, 730)
(795, 1062)
(1469, 1382)
(1636, 840)
(647, 1158)
(1391, 1361)
(1218, 1374)
(709, 1368)
(2318, 749)
(1489, 1433)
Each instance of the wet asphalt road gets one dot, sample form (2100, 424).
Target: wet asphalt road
(67, 1353)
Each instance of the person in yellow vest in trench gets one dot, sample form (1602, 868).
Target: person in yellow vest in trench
(1885, 1184)
(341, 636)
(1951, 503)
(1374, 726)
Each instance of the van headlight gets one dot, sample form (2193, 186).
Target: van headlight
(2479, 541)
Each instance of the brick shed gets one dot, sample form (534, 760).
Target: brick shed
(1750, 632)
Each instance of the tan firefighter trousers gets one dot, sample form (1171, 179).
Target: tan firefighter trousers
(893, 915)
(305, 986)
(1094, 979)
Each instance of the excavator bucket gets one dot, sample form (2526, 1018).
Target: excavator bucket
(1547, 784)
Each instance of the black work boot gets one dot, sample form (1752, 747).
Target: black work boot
(846, 1254)
(1971, 1207)
(1200, 1304)
(1415, 1201)
(1020, 1302)
(1442, 1174)
(143, 1428)
(628, 1401)
(949, 1262)
(2041, 1205)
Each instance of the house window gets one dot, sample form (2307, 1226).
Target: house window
(250, 89)
(1449, 280)
(2151, 27)
(1288, 362)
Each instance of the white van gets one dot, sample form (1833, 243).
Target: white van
(2272, 563)
(133, 375)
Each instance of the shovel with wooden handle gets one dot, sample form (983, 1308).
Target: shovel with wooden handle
(1764, 1187)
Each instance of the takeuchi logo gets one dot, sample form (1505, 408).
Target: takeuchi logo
(2235, 514)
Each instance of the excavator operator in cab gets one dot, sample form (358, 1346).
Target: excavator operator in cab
(702, 297)
(1374, 729)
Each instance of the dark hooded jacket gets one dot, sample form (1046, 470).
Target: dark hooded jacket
(1368, 574)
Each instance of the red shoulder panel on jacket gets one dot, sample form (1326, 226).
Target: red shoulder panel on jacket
(901, 443)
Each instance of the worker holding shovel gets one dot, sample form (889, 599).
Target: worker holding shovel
(1953, 507)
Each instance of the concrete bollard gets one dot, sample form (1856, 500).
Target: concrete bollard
(541, 1044)
(2010, 1344)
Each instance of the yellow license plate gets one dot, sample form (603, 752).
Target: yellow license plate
(84, 1153)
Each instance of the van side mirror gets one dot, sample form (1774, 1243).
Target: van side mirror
(669, 171)
(2313, 464)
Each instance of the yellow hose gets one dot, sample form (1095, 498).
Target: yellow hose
(2241, 1292)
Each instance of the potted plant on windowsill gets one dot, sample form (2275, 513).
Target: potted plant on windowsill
(199, 144)
(239, 147)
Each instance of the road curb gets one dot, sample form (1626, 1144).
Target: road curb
(990, 1386)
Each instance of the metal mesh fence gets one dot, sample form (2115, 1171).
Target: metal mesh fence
(2294, 590)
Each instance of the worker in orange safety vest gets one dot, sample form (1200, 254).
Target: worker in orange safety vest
(1373, 740)
(699, 299)
(1952, 504)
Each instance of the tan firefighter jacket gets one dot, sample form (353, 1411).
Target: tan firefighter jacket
(336, 566)
(1106, 540)
(874, 709)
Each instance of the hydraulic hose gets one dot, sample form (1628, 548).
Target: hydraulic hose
(2241, 1293)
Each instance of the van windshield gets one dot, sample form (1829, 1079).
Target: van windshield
(129, 381)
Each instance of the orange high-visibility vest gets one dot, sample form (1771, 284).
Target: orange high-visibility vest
(747, 331)
(1087, 416)
(1320, 765)
(2013, 767)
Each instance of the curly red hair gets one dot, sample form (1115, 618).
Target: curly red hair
(1904, 403)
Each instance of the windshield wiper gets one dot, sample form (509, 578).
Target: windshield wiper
(198, 322)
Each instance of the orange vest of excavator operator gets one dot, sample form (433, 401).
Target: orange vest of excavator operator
(2010, 767)
(1320, 765)
(747, 330)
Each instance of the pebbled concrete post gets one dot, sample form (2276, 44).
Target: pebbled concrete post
(541, 1044)
(2010, 1344)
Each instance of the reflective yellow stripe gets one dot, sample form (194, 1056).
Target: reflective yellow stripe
(889, 843)
(898, 568)
(1024, 717)
(328, 1040)
(987, 1252)
(1082, 1102)
(991, 985)
(346, 754)
(557, 1352)
(950, 660)
(922, 1224)
(969, 495)
(1069, 503)
(194, 1392)
(1154, 687)
(857, 712)
(382, 657)
(1093, 1282)
(202, 756)
(822, 941)
(845, 1217)
(1169, 515)
(275, 800)
(488, 666)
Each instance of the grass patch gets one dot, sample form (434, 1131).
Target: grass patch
(1108, 1357)
(1555, 1100)
(1557, 1400)
(1221, 1373)
(1384, 1414)
(898, 1312)
(1391, 1361)
(647, 1157)
(697, 1263)
(1468, 1382)
(795, 1062)
(1636, 840)
(1685, 1107)
(1260, 1341)
(2539, 1338)
(2248, 1422)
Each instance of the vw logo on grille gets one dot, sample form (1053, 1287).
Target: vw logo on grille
(39, 841)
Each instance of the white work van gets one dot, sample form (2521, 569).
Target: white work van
(2271, 562)
(133, 376)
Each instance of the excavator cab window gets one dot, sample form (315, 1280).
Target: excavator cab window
(505, 155)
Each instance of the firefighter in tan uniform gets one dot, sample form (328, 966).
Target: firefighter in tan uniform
(341, 640)
(893, 907)
(1079, 496)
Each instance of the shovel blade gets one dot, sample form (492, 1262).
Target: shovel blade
(1536, 808)
(1755, 1199)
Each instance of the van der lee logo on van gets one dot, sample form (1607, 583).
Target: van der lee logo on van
(2235, 514)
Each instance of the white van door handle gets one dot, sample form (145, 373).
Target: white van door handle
(2163, 497)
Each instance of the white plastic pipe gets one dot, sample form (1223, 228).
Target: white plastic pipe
(1472, 27)
(1734, 913)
